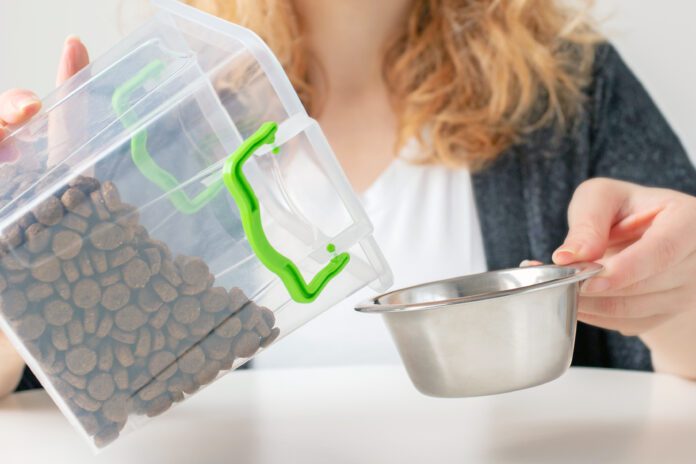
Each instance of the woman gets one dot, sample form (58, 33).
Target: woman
(481, 133)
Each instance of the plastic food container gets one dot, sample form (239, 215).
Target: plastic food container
(171, 213)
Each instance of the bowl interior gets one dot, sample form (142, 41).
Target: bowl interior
(477, 285)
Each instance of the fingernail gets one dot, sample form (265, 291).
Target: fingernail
(23, 103)
(564, 254)
(525, 263)
(596, 285)
(73, 38)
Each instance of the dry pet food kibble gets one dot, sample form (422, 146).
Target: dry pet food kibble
(119, 325)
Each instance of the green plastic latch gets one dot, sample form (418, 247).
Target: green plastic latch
(234, 179)
(140, 155)
(248, 205)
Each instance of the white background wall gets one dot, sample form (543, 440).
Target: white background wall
(657, 39)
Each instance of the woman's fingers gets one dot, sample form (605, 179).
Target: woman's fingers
(17, 105)
(73, 59)
(638, 306)
(626, 326)
(594, 209)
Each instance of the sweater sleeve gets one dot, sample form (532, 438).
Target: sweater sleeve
(632, 141)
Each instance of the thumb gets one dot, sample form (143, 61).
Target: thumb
(73, 59)
(595, 207)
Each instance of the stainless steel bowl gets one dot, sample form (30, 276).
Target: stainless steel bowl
(486, 333)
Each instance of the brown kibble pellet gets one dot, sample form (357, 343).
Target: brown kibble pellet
(62, 387)
(160, 318)
(247, 344)
(215, 300)
(152, 390)
(57, 312)
(130, 318)
(59, 338)
(66, 244)
(14, 236)
(194, 270)
(87, 293)
(37, 238)
(85, 264)
(39, 291)
(84, 183)
(162, 365)
(81, 360)
(98, 259)
(46, 268)
(49, 212)
(271, 338)
(16, 278)
(70, 270)
(122, 336)
(3, 283)
(154, 259)
(171, 273)
(268, 316)
(159, 405)
(63, 289)
(76, 202)
(101, 387)
(229, 328)
(250, 316)
(121, 256)
(176, 330)
(148, 300)
(203, 325)
(13, 303)
(109, 278)
(115, 409)
(121, 377)
(237, 300)
(124, 355)
(209, 372)
(90, 320)
(31, 327)
(144, 345)
(116, 297)
(192, 290)
(105, 325)
(112, 199)
(74, 222)
(159, 341)
(136, 273)
(107, 236)
(85, 402)
(77, 381)
(106, 357)
(106, 435)
(76, 333)
(15, 261)
(192, 360)
(186, 309)
(163, 289)
(216, 347)
(99, 205)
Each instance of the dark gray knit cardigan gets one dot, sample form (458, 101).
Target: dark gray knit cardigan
(522, 199)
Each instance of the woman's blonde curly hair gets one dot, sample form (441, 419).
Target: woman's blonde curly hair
(472, 76)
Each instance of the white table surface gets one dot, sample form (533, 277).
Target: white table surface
(374, 415)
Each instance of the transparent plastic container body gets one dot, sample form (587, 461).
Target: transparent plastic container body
(126, 294)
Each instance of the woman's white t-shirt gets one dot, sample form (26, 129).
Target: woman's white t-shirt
(426, 223)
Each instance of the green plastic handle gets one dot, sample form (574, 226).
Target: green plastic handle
(248, 205)
(140, 155)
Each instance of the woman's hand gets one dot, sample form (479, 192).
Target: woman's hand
(646, 240)
(16, 107)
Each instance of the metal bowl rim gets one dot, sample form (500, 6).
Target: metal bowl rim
(583, 271)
